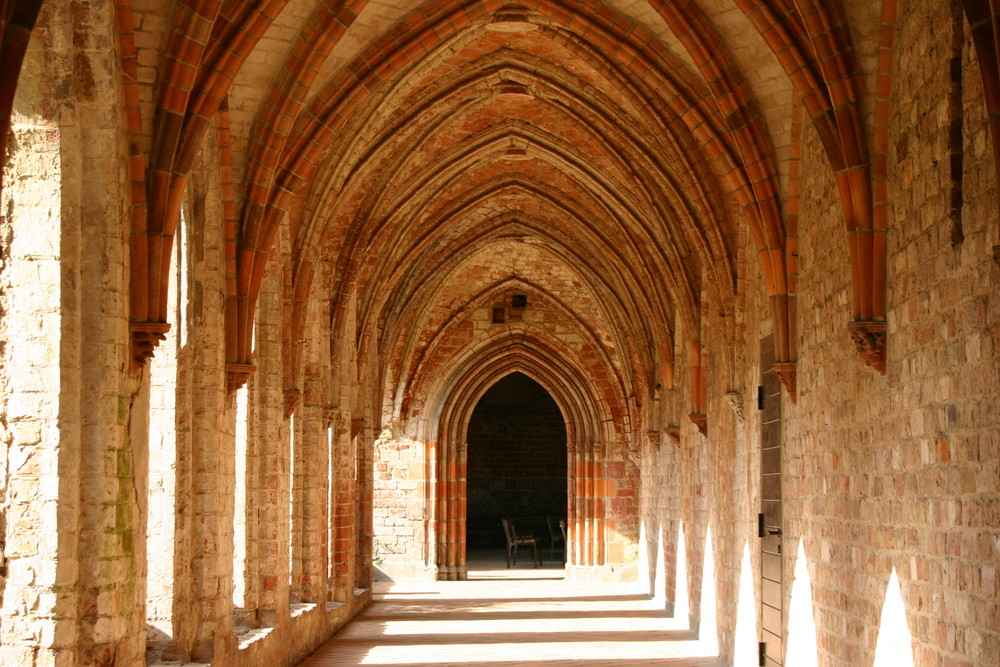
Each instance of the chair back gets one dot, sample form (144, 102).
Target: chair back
(553, 534)
(508, 531)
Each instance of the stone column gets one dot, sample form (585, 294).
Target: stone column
(311, 466)
(212, 421)
(296, 480)
(72, 482)
(270, 458)
(590, 506)
(586, 517)
(449, 523)
(344, 511)
(574, 526)
(435, 511)
(602, 493)
(363, 497)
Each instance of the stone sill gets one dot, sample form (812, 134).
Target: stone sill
(299, 608)
(309, 623)
(249, 637)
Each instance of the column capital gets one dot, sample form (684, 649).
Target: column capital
(700, 420)
(145, 337)
(237, 375)
(785, 371)
(869, 339)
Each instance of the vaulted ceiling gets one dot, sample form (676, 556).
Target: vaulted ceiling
(611, 158)
(604, 157)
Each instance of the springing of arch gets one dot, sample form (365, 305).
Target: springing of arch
(17, 20)
(208, 44)
(812, 41)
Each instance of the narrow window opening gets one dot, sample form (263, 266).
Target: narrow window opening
(240, 601)
(518, 302)
(331, 545)
(294, 571)
(161, 525)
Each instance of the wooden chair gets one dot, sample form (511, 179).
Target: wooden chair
(557, 534)
(514, 541)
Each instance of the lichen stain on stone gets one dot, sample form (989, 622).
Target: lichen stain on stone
(83, 70)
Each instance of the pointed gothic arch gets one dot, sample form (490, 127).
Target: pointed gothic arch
(588, 435)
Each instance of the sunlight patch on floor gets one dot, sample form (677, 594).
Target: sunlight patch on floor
(528, 653)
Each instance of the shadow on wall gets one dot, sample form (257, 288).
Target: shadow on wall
(670, 593)
(708, 628)
(894, 647)
(745, 652)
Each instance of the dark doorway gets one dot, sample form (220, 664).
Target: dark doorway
(516, 463)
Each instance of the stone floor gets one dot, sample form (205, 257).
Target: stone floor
(520, 616)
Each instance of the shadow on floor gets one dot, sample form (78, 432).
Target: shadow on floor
(519, 616)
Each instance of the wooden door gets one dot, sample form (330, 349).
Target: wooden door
(769, 519)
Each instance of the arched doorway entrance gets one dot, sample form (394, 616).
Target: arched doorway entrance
(517, 463)
(587, 451)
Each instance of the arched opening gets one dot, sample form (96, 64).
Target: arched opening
(517, 464)
(588, 428)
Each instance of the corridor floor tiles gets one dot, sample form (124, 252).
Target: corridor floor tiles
(504, 617)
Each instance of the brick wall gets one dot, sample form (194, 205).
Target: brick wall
(880, 472)
(901, 471)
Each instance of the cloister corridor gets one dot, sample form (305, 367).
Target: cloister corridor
(303, 301)
(521, 616)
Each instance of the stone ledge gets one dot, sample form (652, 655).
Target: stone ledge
(299, 608)
(249, 637)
